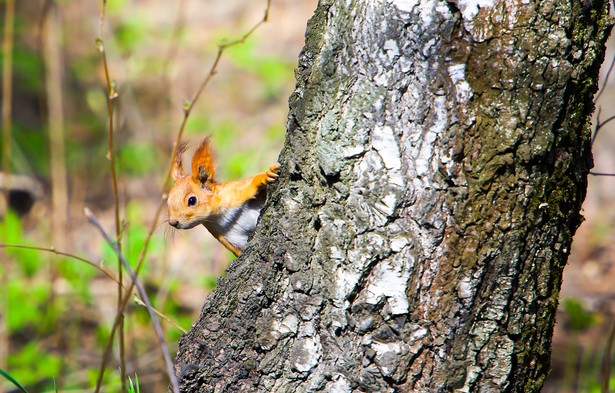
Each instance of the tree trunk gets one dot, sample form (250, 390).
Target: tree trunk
(432, 177)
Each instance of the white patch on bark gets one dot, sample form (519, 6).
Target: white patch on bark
(464, 288)
(425, 157)
(383, 140)
(481, 31)
(387, 355)
(306, 353)
(462, 87)
(345, 282)
(286, 326)
(389, 280)
(382, 80)
(494, 356)
(469, 8)
(418, 334)
(391, 49)
(405, 5)
(387, 204)
(385, 143)
(398, 243)
(339, 386)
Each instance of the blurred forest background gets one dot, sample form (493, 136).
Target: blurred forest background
(60, 310)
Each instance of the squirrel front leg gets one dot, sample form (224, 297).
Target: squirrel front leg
(236, 193)
(228, 244)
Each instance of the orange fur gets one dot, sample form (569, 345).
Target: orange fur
(178, 169)
(203, 169)
(228, 210)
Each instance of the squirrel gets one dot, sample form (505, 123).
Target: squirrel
(228, 210)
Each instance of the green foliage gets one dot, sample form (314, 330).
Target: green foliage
(273, 72)
(130, 33)
(238, 164)
(133, 239)
(198, 125)
(579, 317)
(27, 305)
(139, 158)
(33, 365)
(209, 282)
(29, 261)
(116, 6)
(595, 386)
(28, 68)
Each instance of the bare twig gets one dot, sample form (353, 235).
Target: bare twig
(597, 128)
(161, 315)
(600, 124)
(95, 265)
(7, 90)
(601, 174)
(64, 254)
(112, 94)
(212, 71)
(187, 109)
(143, 294)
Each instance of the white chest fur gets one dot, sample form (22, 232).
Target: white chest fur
(236, 225)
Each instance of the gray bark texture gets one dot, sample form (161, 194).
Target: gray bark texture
(432, 177)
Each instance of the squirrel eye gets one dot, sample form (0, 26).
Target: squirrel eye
(192, 201)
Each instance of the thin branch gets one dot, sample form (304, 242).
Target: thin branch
(597, 126)
(212, 71)
(143, 294)
(601, 174)
(600, 124)
(64, 254)
(608, 120)
(112, 94)
(140, 302)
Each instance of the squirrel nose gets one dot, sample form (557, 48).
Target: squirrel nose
(173, 223)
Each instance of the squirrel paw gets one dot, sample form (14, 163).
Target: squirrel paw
(272, 173)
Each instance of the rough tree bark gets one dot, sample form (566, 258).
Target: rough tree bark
(432, 177)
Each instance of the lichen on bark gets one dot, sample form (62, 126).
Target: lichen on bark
(433, 172)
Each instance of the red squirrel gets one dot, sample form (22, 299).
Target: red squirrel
(228, 210)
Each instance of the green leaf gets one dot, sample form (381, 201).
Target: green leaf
(133, 387)
(12, 380)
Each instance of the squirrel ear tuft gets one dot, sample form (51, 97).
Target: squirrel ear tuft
(178, 168)
(203, 163)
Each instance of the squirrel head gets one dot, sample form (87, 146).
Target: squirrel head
(190, 199)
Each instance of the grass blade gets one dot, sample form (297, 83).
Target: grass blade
(12, 380)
